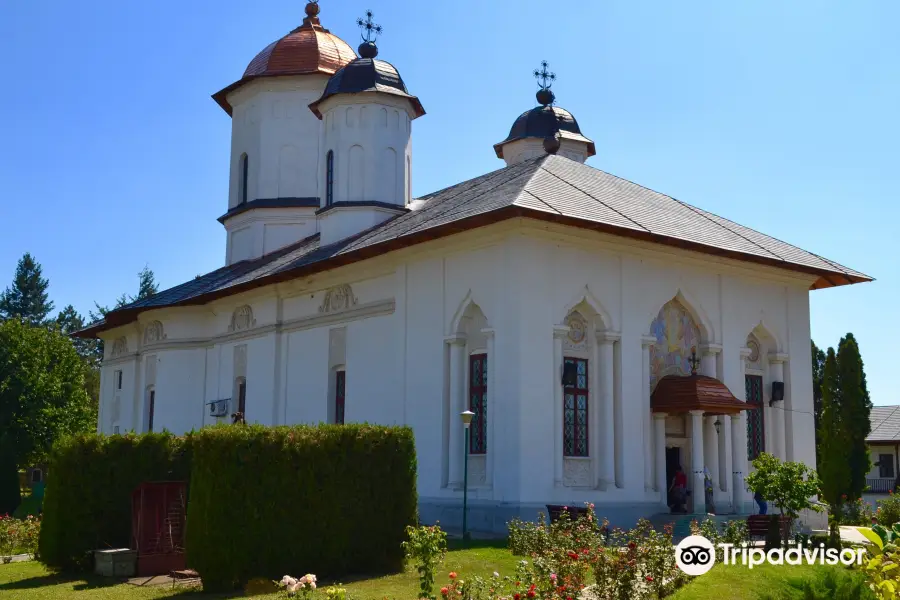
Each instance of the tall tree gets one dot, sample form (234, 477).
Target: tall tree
(834, 469)
(856, 407)
(42, 397)
(818, 368)
(147, 285)
(27, 298)
(69, 321)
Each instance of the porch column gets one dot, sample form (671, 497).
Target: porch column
(697, 492)
(646, 417)
(739, 459)
(725, 450)
(457, 405)
(776, 373)
(606, 427)
(559, 334)
(711, 448)
(659, 427)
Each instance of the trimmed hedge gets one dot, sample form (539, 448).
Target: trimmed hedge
(87, 503)
(332, 500)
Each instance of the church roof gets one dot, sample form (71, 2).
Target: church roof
(542, 122)
(307, 49)
(367, 75)
(549, 188)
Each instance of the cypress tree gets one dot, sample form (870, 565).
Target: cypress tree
(855, 409)
(834, 470)
(147, 285)
(27, 298)
(818, 371)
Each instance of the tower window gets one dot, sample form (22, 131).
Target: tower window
(329, 178)
(575, 409)
(245, 170)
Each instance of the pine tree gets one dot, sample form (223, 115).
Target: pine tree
(147, 285)
(27, 298)
(834, 470)
(855, 409)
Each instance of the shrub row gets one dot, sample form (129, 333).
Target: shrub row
(332, 500)
(87, 503)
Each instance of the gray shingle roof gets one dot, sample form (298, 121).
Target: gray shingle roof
(885, 421)
(551, 188)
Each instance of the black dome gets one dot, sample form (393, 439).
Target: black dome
(367, 75)
(543, 122)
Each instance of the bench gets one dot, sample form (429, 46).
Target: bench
(758, 525)
(555, 510)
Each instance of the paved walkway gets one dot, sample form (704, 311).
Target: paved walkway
(852, 536)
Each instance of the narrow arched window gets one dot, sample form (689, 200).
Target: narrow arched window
(245, 171)
(242, 395)
(329, 178)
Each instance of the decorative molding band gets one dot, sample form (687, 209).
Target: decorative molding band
(455, 340)
(608, 337)
(561, 331)
(778, 357)
(360, 311)
(710, 349)
(648, 340)
(660, 415)
(118, 360)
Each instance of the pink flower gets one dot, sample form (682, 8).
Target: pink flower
(444, 591)
(552, 576)
(452, 575)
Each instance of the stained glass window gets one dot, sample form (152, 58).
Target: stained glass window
(478, 382)
(340, 379)
(575, 411)
(756, 433)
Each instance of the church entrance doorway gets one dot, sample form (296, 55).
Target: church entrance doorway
(673, 461)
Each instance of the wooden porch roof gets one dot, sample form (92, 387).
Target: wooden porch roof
(677, 394)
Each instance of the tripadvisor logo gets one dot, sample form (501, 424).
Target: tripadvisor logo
(695, 555)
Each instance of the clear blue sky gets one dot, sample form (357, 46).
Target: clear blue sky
(782, 116)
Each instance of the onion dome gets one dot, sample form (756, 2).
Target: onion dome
(546, 122)
(367, 73)
(307, 49)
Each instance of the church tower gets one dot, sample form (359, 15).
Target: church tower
(546, 128)
(276, 143)
(367, 115)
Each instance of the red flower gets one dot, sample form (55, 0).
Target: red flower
(573, 555)
(648, 578)
(632, 545)
(517, 596)
(452, 575)
(444, 591)
(531, 593)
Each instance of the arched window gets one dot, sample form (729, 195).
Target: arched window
(575, 407)
(329, 178)
(151, 407)
(340, 395)
(245, 170)
(478, 383)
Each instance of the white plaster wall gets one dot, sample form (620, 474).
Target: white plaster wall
(524, 279)
(342, 222)
(524, 149)
(363, 130)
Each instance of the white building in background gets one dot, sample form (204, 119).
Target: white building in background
(559, 303)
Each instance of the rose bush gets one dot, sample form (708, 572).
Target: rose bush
(18, 536)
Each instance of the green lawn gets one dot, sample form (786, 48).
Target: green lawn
(32, 581)
(769, 582)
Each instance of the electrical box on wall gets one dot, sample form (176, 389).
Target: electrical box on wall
(218, 408)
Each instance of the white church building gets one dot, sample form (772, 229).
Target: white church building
(560, 304)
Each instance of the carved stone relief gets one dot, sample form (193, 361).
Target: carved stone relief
(119, 347)
(154, 333)
(577, 472)
(577, 337)
(337, 299)
(242, 319)
(753, 360)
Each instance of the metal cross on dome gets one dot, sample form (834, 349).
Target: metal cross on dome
(370, 31)
(694, 361)
(545, 78)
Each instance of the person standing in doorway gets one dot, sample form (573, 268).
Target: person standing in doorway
(678, 489)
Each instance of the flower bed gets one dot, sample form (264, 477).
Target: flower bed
(18, 536)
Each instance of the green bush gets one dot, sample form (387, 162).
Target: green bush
(332, 500)
(87, 503)
(888, 511)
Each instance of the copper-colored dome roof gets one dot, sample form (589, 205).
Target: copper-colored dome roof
(307, 49)
(678, 394)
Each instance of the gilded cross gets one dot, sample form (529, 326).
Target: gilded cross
(544, 76)
(370, 31)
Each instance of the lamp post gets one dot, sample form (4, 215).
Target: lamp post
(466, 417)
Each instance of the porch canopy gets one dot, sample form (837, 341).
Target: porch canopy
(676, 394)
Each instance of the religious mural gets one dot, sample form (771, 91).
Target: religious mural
(676, 334)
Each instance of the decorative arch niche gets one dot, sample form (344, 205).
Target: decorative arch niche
(153, 333)
(119, 347)
(677, 334)
(242, 318)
